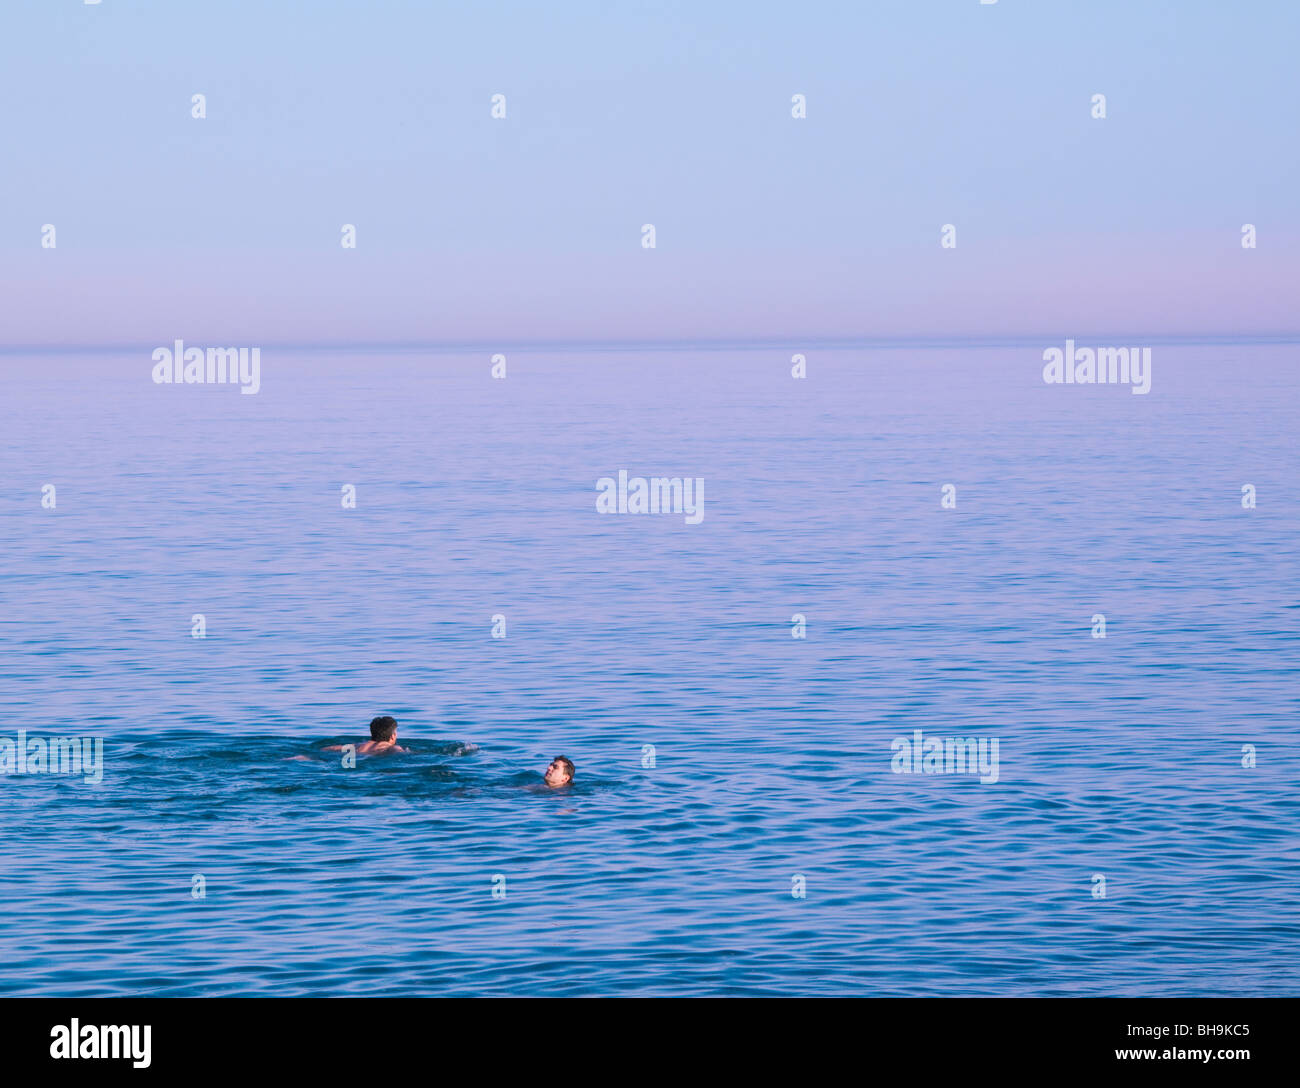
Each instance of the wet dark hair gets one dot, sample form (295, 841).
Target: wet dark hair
(566, 762)
(383, 728)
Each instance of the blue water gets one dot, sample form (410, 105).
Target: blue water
(1119, 757)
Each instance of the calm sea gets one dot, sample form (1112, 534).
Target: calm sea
(736, 826)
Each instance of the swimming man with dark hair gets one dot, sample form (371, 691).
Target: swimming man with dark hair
(383, 738)
(560, 772)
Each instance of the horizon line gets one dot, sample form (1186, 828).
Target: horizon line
(680, 343)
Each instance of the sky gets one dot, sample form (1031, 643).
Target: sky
(528, 229)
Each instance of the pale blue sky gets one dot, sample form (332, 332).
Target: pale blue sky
(920, 113)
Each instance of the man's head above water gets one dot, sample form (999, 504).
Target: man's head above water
(383, 729)
(560, 772)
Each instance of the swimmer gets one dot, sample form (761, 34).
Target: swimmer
(383, 738)
(559, 773)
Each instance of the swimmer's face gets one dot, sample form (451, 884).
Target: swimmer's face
(557, 774)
